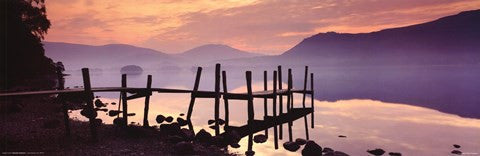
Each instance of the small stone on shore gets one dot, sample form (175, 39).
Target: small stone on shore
(327, 149)
(235, 145)
(160, 119)
(181, 121)
(169, 119)
(300, 141)
(457, 152)
(260, 138)
(291, 146)
(376, 152)
(395, 154)
(312, 149)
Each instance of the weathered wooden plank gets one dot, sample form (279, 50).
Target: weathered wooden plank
(275, 130)
(280, 100)
(313, 99)
(289, 103)
(225, 100)
(147, 101)
(251, 115)
(303, 101)
(89, 99)
(192, 99)
(124, 100)
(265, 100)
(217, 99)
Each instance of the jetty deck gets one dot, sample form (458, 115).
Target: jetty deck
(275, 121)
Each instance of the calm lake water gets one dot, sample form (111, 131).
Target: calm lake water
(373, 107)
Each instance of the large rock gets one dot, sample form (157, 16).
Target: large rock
(312, 149)
(203, 136)
(291, 146)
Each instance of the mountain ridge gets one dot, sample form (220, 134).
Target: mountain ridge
(447, 40)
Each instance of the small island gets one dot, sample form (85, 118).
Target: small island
(131, 70)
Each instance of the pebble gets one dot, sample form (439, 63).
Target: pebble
(160, 119)
(260, 138)
(291, 146)
(300, 141)
(169, 119)
(377, 151)
(312, 149)
(395, 154)
(457, 152)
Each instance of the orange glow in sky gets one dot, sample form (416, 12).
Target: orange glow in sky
(266, 26)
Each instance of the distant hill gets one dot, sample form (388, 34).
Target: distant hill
(212, 52)
(448, 40)
(76, 56)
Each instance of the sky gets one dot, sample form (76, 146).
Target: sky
(266, 26)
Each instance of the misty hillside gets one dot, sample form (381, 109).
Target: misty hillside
(212, 52)
(77, 56)
(448, 40)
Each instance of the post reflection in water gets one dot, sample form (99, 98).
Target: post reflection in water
(368, 124)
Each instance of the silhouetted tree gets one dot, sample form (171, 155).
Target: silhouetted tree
(24, 24)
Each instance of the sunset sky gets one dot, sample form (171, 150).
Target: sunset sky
(268, 26)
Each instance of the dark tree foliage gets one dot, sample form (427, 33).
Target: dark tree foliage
(23, 62)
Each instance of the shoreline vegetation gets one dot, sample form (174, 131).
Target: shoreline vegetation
(34, 125)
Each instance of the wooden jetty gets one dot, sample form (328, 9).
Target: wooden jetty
(252, 126)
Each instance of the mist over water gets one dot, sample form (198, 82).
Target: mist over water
(375, 107)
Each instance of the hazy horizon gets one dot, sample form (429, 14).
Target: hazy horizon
(253, 26)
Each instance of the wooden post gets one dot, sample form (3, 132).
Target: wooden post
(217, 98)
(251, 115)
(147, 101)
(275, 130)
(265, 107)
(289, 100)
(225, 98)
(280, 100)
(313, 106)
(61, 86)
(193, 95)
(303, 101)
(124, 100)
(89, 99)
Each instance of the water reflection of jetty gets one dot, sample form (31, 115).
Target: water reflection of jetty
(275, 120)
